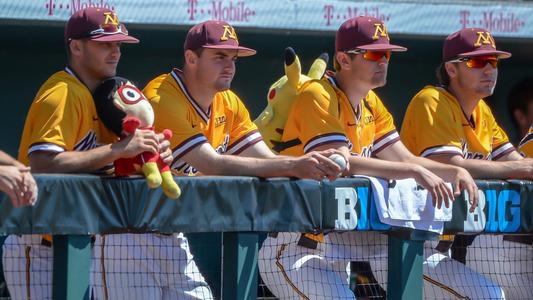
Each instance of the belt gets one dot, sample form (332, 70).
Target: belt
(303, 240)
(48, 243)
(165, 234)
(522, 239)
(307, 242)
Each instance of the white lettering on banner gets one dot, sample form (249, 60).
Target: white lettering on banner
(475, 221)
(346, 214)
(410, 17)
(52, 6)
(231, 11)
(332, 17)
(494, 21)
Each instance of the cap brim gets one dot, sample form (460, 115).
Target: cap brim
(383, 47)
(119, 37)
(241, 51)
(499, 54)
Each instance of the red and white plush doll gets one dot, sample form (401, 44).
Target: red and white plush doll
(137, 113)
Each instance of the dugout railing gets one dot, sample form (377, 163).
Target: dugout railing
(73, 207)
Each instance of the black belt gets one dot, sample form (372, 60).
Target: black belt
(303, 241)
(47, 243)
(522, 239)
(165, 234)
(306, 242)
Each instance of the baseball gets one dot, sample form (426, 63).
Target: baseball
(339, 160)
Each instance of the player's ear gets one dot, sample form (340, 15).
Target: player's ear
(343, 60)
(75, 47)
(451, 69)
(190, 57)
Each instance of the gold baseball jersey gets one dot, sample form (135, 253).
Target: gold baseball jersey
(62, 117)
(526, 145)
(226, 125)
(322, 114)
(435, 124)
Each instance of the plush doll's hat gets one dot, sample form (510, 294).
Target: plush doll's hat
(110, 115)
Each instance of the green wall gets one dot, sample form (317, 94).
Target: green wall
(31, 53)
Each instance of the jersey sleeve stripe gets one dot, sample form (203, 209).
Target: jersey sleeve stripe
(49, 147)
(244, 142)
(325, 139)
(502, 150)
(87, 143)
(187, 146)
(385, 141)
(526, 139)
(442, 150)
(177, 165)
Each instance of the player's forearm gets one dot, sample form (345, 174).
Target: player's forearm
(447, 172)
(381, 168)
(7, 160)
(73, 161)
(482, 169)
(246, 166)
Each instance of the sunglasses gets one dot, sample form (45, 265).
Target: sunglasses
(371, 55)
(478, 62)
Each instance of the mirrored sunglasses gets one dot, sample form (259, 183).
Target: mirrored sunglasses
(478, 62)
(371, 55)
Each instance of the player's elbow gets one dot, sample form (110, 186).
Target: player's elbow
(43, 162)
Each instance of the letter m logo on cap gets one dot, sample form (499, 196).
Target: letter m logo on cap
(484, 37)
(381, 31)
(110, 18)
(229, 33)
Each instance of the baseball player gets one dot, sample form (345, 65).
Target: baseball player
(452, 124)
(212, 135)
(342, 112)
(62, 133)
(16, 181)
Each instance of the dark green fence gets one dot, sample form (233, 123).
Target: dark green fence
(72, 207)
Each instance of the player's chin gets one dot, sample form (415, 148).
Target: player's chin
(111, 69)
(486, 89)
(109, 72)
(223, 85)
(379, 80)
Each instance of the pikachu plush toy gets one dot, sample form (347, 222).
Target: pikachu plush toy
(282, 94)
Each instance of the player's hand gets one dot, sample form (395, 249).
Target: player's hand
(140, 141)
(29, 185)
(436, 186)
(14, 183)
(464, 181)
(164, 149)
(316, 165)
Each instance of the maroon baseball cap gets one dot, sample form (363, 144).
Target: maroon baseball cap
(97, 24)
(470, 42)
(365, 33)
(215, 35)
